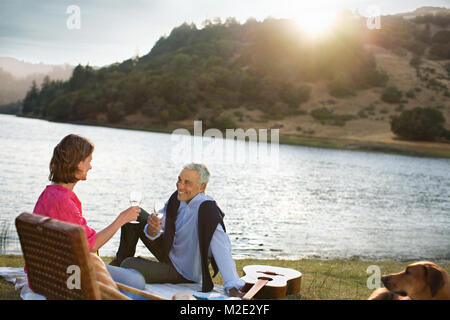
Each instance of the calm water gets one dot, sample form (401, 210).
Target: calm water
(303, 202)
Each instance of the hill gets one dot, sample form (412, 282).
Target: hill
(343, 88)
(16, 77)
(21, 69)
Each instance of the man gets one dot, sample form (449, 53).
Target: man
(189, 237)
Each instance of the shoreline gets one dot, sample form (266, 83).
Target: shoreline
(18, 256)
(338, 279)
(415, 149)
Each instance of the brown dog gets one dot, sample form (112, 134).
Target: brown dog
(419, 281)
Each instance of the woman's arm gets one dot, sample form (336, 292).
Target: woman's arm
(103, 236)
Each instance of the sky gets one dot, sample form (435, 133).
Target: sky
(101, 32)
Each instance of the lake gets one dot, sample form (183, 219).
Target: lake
(288, 202)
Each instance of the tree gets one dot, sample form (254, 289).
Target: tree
(154, 106)
(116, 111)
(419, 124)
(180, 63)
(61, 108)
(31, 101)
(80, 77)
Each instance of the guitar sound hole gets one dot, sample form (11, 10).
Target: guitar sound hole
(265, 278)
(270, 273)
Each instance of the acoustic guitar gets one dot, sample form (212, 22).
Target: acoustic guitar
(269, 282)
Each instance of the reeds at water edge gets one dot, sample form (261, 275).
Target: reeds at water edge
(4, 231)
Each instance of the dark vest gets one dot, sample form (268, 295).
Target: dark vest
(209, 216)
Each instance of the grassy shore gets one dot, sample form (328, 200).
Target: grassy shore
(417, 149)
(338, 279)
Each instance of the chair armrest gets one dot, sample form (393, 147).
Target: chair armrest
(139, 292)
(108, 293)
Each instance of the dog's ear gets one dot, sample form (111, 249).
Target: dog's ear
(435, 279)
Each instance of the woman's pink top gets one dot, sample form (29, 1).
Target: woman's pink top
(60, 203)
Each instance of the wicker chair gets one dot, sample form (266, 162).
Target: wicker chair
(49, 248)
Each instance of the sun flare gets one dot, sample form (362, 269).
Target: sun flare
(316, 23)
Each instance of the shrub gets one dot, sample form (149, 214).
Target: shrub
(294, 96)
(392, 95)
(326, 117)
(225, 122)
(400, 108)
(239, 115)
(384, 110)
(442, 36)
(341, 86)
(370, 108)
(439, 52)
(447, 67)
(446, 134)
(415, 61)
(419, 124)
(410, 94)
(362, 114)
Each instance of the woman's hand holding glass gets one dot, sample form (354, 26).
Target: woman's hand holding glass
(129, 215)
(135, 201)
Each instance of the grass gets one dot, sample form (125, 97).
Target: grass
(418, 150)
(338, 279)
(4, 230)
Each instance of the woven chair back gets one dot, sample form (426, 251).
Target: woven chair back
(55, 253)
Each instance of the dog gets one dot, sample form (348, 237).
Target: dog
(422, 280)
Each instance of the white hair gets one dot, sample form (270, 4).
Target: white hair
(202, 170)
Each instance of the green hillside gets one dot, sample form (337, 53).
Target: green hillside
(265, 74)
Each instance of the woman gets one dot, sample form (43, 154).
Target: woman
(70, 163)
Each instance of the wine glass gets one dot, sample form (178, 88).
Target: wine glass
(159, 215)
(135, 201)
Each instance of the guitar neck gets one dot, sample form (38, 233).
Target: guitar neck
(255, 289)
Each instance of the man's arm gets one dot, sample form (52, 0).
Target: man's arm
(221, 249)
(152, 229)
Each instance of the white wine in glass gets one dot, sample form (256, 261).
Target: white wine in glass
(159, 215)
(135, 201)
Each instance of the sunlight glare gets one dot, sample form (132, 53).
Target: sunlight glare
(315, 23)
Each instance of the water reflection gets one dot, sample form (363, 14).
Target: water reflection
(315, 203)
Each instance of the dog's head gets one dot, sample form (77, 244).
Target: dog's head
(420, 280)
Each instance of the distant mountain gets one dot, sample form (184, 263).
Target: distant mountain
(16, 77)
(21, 69)
(424, 11)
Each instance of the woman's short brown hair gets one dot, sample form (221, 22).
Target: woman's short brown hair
(66, 156)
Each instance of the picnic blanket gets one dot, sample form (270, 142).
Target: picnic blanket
(166, 290)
